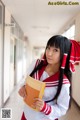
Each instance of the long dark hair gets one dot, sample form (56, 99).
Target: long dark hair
(64, 45)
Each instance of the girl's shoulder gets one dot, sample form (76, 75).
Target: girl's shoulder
(38, 61)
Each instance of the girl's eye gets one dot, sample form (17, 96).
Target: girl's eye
(56, 50)
(48, 48)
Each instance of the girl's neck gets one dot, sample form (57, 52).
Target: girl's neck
(52, 69)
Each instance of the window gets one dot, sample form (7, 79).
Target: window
(70, 33)
(19, 49)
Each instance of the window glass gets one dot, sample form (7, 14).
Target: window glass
(70, 33)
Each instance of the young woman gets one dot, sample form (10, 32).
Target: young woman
(55, 70)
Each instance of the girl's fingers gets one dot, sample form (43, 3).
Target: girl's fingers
(38, 103)
(38, 99)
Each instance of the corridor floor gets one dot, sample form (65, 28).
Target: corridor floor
(15, 102)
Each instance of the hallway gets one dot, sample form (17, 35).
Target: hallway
(16, 104)
(25, 28)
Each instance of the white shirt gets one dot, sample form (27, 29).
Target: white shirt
(58, 109)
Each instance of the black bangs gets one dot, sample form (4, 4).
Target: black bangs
(55, 41)
(60, 42)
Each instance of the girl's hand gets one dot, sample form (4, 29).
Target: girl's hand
(22, 92)
(38, 104)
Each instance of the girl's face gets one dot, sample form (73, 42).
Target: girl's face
(53, 55)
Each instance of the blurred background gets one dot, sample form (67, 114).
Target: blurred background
(25, 27)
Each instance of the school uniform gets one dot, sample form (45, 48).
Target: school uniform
(53, 109)
(56, 108)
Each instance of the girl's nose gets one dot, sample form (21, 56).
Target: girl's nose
(50, 53)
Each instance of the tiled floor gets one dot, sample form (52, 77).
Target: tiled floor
(16, 104)
(73, 113)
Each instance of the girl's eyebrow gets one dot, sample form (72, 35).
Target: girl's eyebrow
(55, 47)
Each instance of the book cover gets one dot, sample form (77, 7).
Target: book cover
(34, 89)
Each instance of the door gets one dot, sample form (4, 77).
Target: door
(15, 82)
(11, 64)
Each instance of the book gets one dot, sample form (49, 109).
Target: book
(34, 89)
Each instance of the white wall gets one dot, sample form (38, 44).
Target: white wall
(1, 51)
(76, 75)
(0, 66)
(76, 85)
(6, 55)
(0, 56)
(77, 23)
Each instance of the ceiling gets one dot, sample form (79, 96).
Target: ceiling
(40, 21)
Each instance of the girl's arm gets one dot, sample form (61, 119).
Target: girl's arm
(22, 91)
(60, 108)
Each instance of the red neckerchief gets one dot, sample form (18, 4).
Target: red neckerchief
(52, 80)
